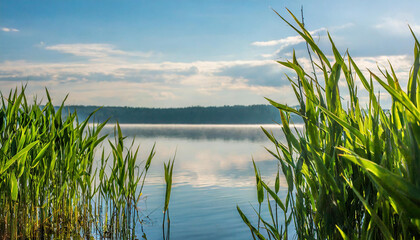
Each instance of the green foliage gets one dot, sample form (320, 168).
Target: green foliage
(169, 167)
(168, 180)
(49, 181)
(354, 172)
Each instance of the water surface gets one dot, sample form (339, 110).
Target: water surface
(213, 174)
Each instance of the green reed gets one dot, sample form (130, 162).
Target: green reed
(50, 184)
(168, 167)
(353, 173)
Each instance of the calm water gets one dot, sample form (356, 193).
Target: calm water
(213, 174)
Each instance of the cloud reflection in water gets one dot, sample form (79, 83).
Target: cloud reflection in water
(206, 155)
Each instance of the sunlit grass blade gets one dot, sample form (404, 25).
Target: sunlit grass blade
(16, 157)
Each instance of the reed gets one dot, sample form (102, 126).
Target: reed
(50, 185)
(353, 173)
(168, 167)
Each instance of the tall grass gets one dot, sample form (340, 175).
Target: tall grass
(354, 172)
(49, 184)
(169, 167)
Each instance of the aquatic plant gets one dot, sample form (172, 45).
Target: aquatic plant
(168, 167)
(353, 173)
(49, 182)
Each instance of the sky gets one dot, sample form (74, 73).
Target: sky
(188, 52)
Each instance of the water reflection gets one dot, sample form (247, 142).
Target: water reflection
(198, 132)
(212, 174)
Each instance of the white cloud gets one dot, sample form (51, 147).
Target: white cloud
(291, 40)
(294, 40)
(140, 84)
(285, 42)
(167, 84)
(119, 69)
(5, 29)
(95, 50)
(397, 26)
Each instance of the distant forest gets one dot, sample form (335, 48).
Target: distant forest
(255, 114)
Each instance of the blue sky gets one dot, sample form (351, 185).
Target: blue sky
(187, 52)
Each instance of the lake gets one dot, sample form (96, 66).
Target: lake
(213, 173)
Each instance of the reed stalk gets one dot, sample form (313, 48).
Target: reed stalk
(353, 171)
(48, 179)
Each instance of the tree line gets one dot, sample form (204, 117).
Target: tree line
(253, 114)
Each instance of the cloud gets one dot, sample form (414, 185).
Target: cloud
(396, 26)
(205, 76)
(294, 40)
(260, 75)
(145, 84)
(121, 80)
(291, 40)
(95, 51)
(284, 43)
(5, 29)
(288, 41)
